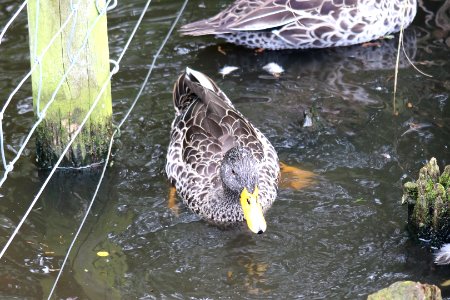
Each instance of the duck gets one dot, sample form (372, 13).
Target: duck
(224, 169)
(303, 24)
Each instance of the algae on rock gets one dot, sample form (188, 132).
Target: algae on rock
(407, 290)
(428, 200)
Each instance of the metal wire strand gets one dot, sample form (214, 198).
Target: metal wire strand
(144, 83)
(38, 60)
(2, 34)
(16, 230)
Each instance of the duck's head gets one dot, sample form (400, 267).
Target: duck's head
(239, 173)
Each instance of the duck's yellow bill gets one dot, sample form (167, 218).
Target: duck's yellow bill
(253, 211)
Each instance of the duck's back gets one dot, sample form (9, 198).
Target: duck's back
(294, 24)
(207, 126)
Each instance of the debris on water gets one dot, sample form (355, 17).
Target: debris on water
(227, 70)
(103, 253)
(359, 200)
(416, 127)
(220, 49)
(371, 44)
(307, 121)
(274, 69)
(386, 155)
(182, 50)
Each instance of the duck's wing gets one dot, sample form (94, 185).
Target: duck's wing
(244, 15)
(208, 125)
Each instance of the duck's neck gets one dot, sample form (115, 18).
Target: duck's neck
(230, 195)
(224, 206)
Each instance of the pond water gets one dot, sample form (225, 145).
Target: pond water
(344, 236)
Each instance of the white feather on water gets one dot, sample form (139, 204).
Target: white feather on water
(274, 69)
(442, 257)
(227, 70)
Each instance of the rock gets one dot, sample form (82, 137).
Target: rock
(407, 290)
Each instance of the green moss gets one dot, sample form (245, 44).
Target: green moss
(90, 146)
(410, 192)
(428, 198)
(429, 189)
(444, 179)
(407, 290)
(80, 88)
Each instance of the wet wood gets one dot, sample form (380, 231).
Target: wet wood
(80, 88)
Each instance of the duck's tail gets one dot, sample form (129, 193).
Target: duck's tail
(197, 28)
(212, 26)
(442, 257)
(193, 85)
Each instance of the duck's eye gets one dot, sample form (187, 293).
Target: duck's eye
(233, 172)
(248, 201)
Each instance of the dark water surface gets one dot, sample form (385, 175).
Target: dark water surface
(342, 237)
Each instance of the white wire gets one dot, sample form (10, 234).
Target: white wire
(16, 230)
(12, 20)
(153, 63)
(72, 33)
(10, 166)
(144, 83)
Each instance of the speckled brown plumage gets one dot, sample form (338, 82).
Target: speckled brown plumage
(206, 126)
(297, 24)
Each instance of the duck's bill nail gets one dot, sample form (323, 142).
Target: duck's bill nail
(253, 213)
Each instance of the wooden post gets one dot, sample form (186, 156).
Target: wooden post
(81, 86)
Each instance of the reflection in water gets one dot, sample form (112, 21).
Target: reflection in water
(295, 178)
(436, 16)
(329, 67)
(254, 277)
(248, 270)
(443, 16)
(55, 220)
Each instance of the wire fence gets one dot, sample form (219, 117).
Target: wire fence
(74, 59)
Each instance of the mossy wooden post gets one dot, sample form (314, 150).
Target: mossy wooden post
(81, 86)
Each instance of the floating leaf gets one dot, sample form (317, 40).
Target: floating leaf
(102, 253)
(446, 283)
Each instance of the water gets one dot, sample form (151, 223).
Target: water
(342, 237)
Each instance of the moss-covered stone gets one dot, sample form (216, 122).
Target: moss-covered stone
(410, 192)
(428, 203)
(407, 290)
(444, 179)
